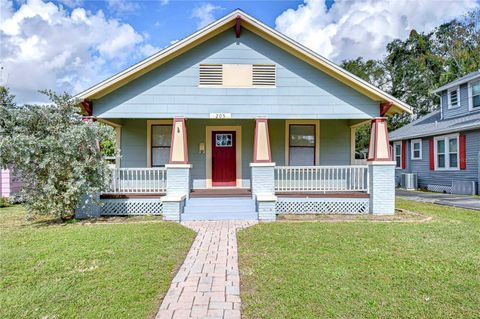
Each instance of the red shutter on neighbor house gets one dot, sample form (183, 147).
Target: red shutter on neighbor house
(404, 154)
(463, 151)
(432, 155)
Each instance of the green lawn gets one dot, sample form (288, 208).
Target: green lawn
(86, 271)
(364, 269)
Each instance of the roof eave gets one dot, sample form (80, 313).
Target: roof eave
(260, 29)
(440, 132)
(454, 83)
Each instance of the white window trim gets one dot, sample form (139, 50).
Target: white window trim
(449, 103)
(447, 152)
(470, 94)
(395, 154)
(412, 153)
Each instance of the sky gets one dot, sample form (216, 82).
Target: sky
(69, 45)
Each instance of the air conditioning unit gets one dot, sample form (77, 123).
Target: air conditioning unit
(409, 181)
(464, 187)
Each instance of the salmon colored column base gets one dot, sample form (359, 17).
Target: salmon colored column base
(378, 148)
(261, 144)
(178, 148)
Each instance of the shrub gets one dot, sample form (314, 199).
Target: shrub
(55, 152)
(4, 202)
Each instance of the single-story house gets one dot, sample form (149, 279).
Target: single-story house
(238, 121)
(443, 147)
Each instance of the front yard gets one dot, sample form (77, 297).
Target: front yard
(364, 269)
(86, 271)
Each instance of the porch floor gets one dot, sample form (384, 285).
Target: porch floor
(131, 195)
(220, 192)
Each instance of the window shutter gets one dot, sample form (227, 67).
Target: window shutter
(211, 74)
(263, 75)
(463, 151)
(404, 155)
(432, 154)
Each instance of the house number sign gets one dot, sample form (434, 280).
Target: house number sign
(220, 115)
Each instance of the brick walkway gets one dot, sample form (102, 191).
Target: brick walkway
(208, 283)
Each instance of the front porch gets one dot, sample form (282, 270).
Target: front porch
(258, 160)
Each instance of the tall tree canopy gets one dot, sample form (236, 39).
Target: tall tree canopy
(413, 67)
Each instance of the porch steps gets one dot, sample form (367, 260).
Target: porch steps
(219, 208)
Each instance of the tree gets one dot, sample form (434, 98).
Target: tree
(413, 67)
(56, 154)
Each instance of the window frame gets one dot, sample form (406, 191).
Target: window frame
(470, 95)
(151, 123)
(449, 102)
(317, 139)
(412, 149)
(446, 139)
(395, 154)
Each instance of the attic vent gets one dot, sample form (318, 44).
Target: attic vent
(263, 75)
(237, 75)
(211, 74)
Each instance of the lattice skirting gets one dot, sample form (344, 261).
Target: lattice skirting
(322, 206)
(439, 188)
(131, 207)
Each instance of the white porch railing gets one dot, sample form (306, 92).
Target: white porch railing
(139, 180)
(321, 178)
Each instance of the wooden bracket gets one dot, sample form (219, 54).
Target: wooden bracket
(238, 26)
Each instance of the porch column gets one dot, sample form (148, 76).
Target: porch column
(381, 170)
(178, 172)
(263, 188)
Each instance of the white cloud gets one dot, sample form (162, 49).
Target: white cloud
(164, 2)
(122, 6)
(205, 14)
(363, 28)
(43, 46)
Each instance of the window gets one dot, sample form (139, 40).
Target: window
(161, 136)
(397, 154)
(237, 75)
(446, 152)
(453, 98)
(302, 144)
(223, 140)
(475, 95)
(416, 149)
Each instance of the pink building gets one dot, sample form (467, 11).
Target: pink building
(8, 184)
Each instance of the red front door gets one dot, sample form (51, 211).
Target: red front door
(224, 166)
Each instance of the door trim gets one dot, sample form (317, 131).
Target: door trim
(238, 152)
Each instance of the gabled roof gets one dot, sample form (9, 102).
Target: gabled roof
(260, 29)
(431, 125)
(464, 79)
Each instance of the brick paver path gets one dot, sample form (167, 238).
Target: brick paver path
(208, 283)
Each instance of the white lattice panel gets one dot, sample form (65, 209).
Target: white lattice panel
(439, 188)
(132, 207)
(324, 206)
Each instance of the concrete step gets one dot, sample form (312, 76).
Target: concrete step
(219, 201)
(220, 216)
(222, 208)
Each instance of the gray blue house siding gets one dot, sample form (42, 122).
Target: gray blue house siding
(446, 121)
(172, 89)
(426, 176)
(462, 109)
